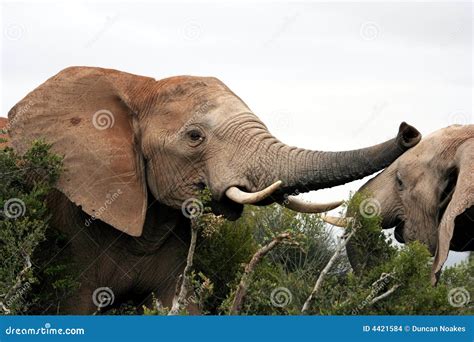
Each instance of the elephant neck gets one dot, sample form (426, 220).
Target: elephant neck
(161, 222)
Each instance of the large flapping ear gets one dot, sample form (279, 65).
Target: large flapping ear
(88, 116)
(462, 199)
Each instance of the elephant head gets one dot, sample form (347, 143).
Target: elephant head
(125, 136)
(427, 194)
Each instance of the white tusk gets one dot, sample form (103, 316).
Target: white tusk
(242, 197)
(301, 206)
(343, 222)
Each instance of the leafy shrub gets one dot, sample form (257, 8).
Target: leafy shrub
(222, 258)
(285, 277)
(24, 275)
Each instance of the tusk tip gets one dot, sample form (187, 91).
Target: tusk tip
(343, 222)
(242, 197)
(302, 206)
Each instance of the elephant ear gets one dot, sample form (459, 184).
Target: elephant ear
(462, 199)
(88, 117)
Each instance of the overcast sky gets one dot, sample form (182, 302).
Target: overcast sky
(328, 76)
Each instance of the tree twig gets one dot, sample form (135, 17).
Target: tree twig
(180, 299)
(249, 269)
(19, 277)
(385, 294)
(19, 281)
(326, 269)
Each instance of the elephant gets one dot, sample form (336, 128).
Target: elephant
(427, 194)
(137, 151)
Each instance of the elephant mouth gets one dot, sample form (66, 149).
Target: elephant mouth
(398, 233)
(229, 209)
(230, 203)
(273, 193)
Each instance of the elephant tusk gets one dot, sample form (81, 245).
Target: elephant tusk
(242, 197)
(301, 206)
(338, 221)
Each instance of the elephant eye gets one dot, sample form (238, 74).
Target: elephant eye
(399, 181)
(195, 136)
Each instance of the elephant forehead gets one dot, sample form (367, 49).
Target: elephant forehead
(189, 90)
(211, 106)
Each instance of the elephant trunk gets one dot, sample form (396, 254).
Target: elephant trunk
(303, 170)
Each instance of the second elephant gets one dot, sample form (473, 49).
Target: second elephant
(427, 194)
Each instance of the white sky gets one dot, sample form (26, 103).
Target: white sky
(328, 76)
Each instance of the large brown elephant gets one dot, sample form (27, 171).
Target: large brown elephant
(136, 149)
(427, 194)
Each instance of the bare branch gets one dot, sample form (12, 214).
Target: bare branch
(385, 294)
(5, 309)
(179, 301)
(249, 269)
(19, 277)
(19, 281)
(326, 269)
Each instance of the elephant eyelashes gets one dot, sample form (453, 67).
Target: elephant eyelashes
(196, 137)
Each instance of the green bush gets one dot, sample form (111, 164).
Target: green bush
(28, 280)
(285, 277)
(223, 255)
